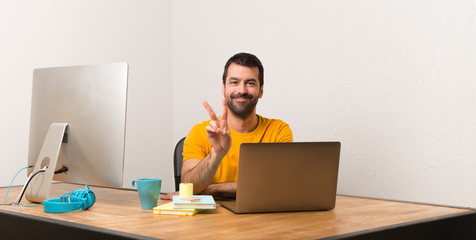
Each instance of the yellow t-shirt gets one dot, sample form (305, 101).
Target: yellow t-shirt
(197, 145)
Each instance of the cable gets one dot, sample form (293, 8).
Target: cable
(28, 182)
(12, 183)
(21, 204)
(63, 169)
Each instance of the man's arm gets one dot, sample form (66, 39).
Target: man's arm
(202, 172)
(222, 190)
(202, 176)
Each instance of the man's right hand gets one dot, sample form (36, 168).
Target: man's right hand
(202, 172)
(218, 132)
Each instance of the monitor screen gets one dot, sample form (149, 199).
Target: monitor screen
(91, 102)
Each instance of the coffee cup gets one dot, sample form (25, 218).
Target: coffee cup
(149, 190)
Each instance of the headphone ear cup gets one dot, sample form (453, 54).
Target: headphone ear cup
(90, 199)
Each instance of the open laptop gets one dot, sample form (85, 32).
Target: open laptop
(279, 177)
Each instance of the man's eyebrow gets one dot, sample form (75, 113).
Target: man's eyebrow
(246, 80)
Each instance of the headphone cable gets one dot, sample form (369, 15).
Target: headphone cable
(17, 201)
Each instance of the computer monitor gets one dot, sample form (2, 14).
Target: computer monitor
(78, 120)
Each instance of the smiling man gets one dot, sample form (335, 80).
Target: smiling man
(211, 149)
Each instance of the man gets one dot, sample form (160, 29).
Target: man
(211, 149)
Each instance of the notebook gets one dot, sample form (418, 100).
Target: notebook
(205, 202)
(168, 209)
(279, 177)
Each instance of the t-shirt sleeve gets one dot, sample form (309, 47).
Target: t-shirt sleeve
(196, 144)
(284, 133)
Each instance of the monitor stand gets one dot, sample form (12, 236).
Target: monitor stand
(39, 186)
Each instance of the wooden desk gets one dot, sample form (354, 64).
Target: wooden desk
(118, 213)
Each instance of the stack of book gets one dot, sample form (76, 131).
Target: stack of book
(186, 206)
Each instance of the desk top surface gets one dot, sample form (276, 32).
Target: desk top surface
(119, 210)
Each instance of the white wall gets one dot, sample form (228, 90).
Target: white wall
(394, 81)
(60, 33)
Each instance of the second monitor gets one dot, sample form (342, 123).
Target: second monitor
(90, 102)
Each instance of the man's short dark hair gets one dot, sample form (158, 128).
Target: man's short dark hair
(247, 60)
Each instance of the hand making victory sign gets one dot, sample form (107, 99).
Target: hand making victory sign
(218, 132)
(201, 172)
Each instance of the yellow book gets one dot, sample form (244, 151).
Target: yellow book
(168, 209)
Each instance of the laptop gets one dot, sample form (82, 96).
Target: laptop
(281, 177)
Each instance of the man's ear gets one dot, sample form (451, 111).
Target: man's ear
(260, 92)
(223, 90)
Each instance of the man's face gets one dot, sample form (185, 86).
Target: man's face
(242, 89)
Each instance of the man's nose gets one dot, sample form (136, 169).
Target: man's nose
(242, 88)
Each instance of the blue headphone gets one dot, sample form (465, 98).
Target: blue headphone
(79, 199)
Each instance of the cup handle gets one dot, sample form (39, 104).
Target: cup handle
(134, 184)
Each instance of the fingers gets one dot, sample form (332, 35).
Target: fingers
(213, 124)
(218, 126)
(213, 128)
(168, 196)
(210, 111)
(209, 129)
(224, 116)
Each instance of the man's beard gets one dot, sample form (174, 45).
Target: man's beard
(242, 110)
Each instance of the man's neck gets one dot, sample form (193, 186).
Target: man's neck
(242, 125)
